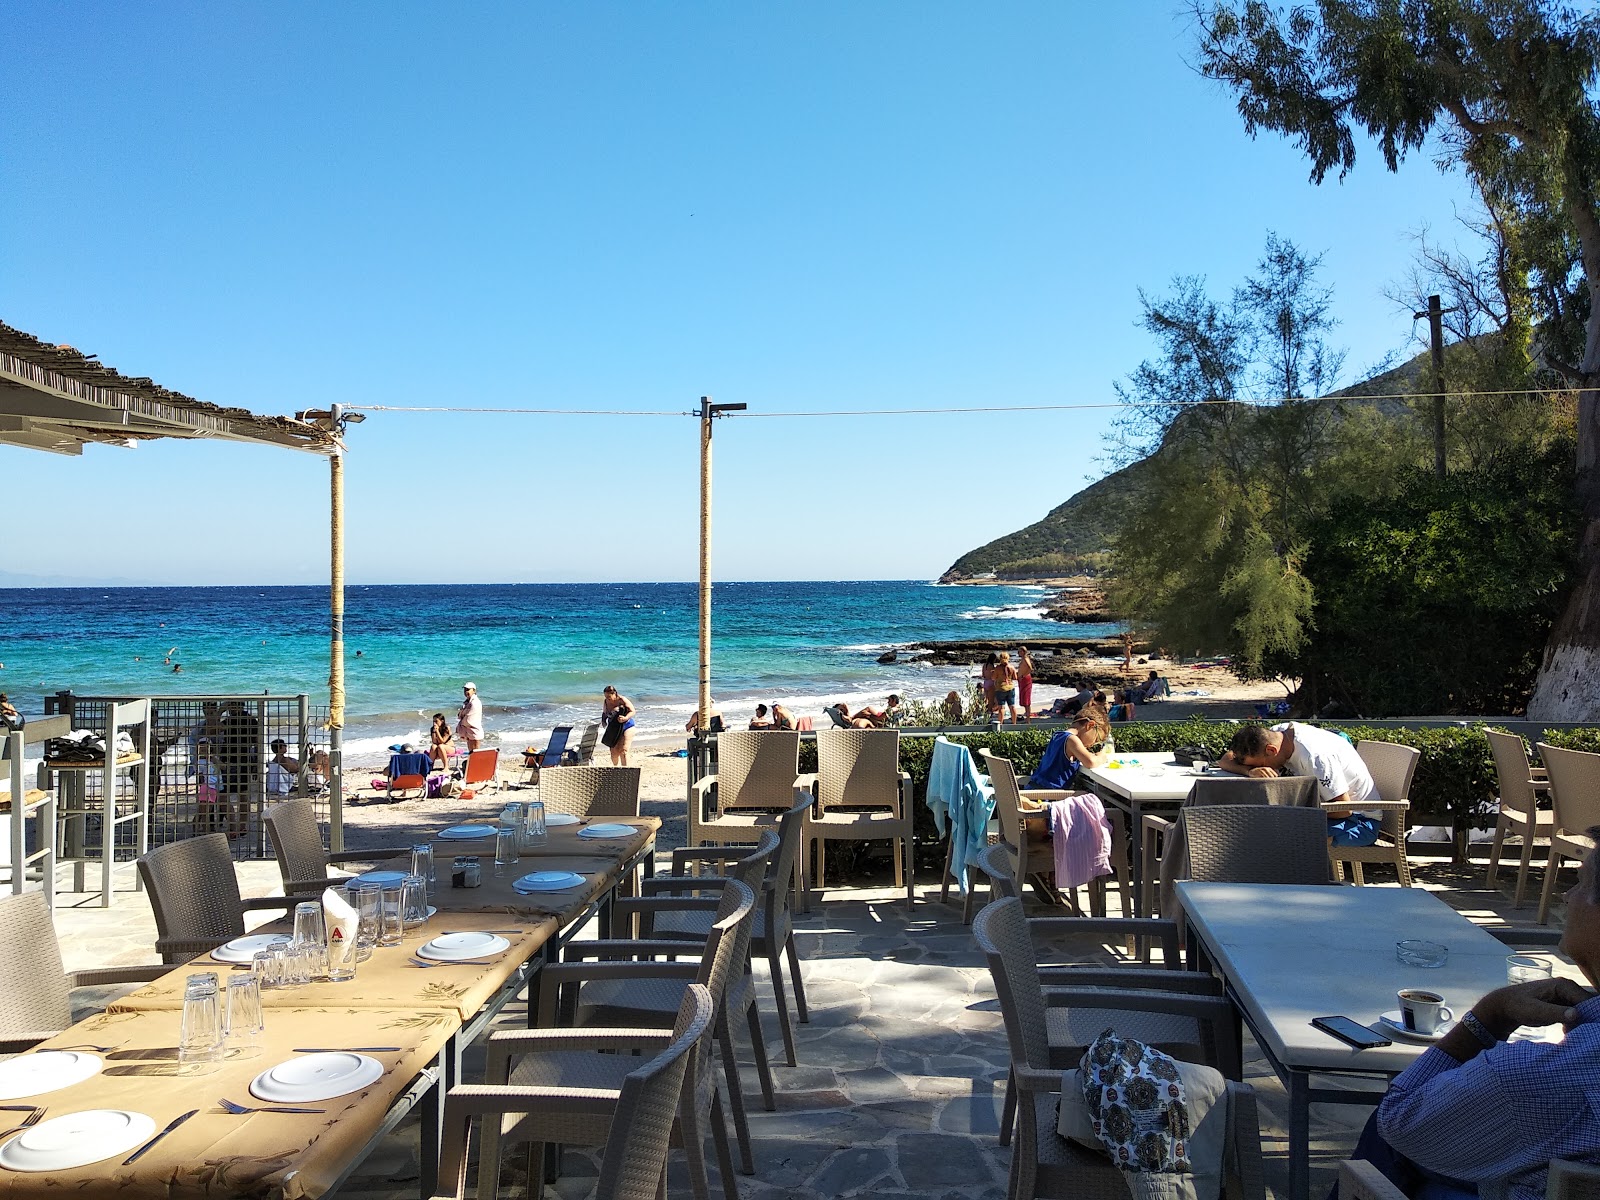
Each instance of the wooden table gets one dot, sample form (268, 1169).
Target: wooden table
(1291, 953)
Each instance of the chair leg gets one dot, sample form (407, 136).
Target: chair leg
(1355, 872)
(758, 1045)
(1402, 864)
(1522, 865)
(909, 849)
(949, 854)
(730, 1071)
(719, 1134)
(1551, 867)
(798, 982)
(899, 864)
(694, 1145)
(1008, 1115)
(780, 1002)
(1494, 850)
(1338, 869)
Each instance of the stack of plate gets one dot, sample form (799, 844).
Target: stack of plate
(454, 947)
(316, 1077)
(76, 1140)
(548, 881)
(46, 1071)
(608, 831)
(466, 833)
(244, 949)
(386, 878)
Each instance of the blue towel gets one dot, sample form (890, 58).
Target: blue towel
(958, 793)
(409, 764)
(1057, 769)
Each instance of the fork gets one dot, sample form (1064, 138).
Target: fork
(31, 1119)
(240, 1110)
(87, 1046)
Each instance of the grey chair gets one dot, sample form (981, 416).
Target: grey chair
(195, 894)
(297, 842)
(863, 796)
(637, 1115)
(1575, 800)
(590, 791)
(757, 775)
(1520, 815)
(1392, 767)
(36, 995)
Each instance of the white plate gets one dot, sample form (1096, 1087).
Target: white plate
(608, 831)
(46, 1071)
(466, 833)
(552, 820)
(451, 947)
(548, 881)
(316, 1077)
(244, 949)
(1394, 1023)
(383, 877)
(76, 1140)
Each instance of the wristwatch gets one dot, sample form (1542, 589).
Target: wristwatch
(1479, 1030)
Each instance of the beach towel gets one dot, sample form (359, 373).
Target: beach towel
(409, 764)
(1057, 769)
(1080, 838)
(958, 795)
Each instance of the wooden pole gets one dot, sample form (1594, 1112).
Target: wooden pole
(1436, 342)
(336, 642)
(703, 723)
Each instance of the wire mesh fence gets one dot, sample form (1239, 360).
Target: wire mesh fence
(217, 762)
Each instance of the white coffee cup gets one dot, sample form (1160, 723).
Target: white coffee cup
(1423, 1011)
(1199, 768)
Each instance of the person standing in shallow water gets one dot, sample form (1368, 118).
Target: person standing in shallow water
(469, 717)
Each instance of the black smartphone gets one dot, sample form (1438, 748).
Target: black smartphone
(1350, 1032)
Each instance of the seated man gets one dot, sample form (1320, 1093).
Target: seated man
(1296, 749)
(761, 720)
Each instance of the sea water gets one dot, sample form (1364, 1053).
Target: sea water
(539, 653)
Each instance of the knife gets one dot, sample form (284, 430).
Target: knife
(173, 1124)
(346, 1049)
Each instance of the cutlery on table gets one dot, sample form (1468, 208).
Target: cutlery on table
(448, 932)
(31, 1119)
(171, 1125)
(86, 1046)
(239, 1109)
(454, 962)
(346, 1049)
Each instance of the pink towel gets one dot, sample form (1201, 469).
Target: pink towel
(1080, 836)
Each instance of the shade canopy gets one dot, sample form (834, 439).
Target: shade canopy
(59, 399)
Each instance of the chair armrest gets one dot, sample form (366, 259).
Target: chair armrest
(806, 783)
(1045, 793)
(1523, 935)
(582, 951)
(501, 1048)
(639, 905)
(1158, 979)
(681, 883)
(16, 1043)
(732, 852)
(1117, 927)
(103, 975)
(187, 948)
(468, 1100)
(555, 976)
(258, 903)
(1350, 806)
(306, 887)
(1539, 785)
(1361, 1180)
(1212, 1008)
(1155, 821)
(1035, 1080)
(368, 855)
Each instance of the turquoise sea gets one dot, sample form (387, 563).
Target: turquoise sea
(539, 653)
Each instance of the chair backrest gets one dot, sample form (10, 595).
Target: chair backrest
(557, 747)
(193, 889)
(858, 768)
(1513, 770)
(297, 842)
(1574, 787)
(1007, 805)
(481, 766)
(777, 888)
(1256, 844)
(1572, 1181)
(757, 768)
(591, 791)
(1391, 766)
(641, 1126)
(998, 864)
(33, 993)
(587, 743)
(1291, 791)
(1002, 932)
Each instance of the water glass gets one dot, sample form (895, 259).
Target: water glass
(267, 969)
(310, 939)
(534, 834)
(200, 1033)
(343, 954)
(422, 864)
(296, 965)
(1415, 952)
(367, 899)
(1525, 968)
(391, 926)
(505, 849)
(242, 1021)
(413, 902)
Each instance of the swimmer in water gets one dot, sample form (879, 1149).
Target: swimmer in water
(177, 668)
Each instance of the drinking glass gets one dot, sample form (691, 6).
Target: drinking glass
(1525, 968)
(413, 902)
(1415, 952)
(391, 926)
(534, 833)
(422, 864)
(343, 953)
(310, 938)
(296, 965)
(267, 969)
(367, 900)
(242, 1023)
(505, 849)
(200, 1031)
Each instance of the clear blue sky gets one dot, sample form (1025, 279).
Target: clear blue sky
(797, 206)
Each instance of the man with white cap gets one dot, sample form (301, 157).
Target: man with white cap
(469, 717)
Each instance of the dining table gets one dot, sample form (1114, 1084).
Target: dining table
(1133, 784)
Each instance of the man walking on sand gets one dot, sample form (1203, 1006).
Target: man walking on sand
(469, 717)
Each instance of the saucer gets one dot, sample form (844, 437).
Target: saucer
(76, 1140)
(453, 947)
(554, 820)
(46, 1071)
(608, 831)
(316, 1077)
(1394, 1023)
(244, 949)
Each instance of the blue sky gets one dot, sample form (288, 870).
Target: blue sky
(811, 206)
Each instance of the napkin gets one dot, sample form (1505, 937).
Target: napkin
(339, 916)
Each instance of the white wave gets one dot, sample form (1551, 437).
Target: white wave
(872, 647)
(1005, 612)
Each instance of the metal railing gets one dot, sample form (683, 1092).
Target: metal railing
(211, 768)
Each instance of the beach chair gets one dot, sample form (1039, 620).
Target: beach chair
(584, 755)
(550, 756)
(1520, 815)
(862, 796)
(195, 895)
(1575, 797)
(481, 771)
(1392, 767)
(406, 776)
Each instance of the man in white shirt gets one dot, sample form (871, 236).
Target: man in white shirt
(1296, 749)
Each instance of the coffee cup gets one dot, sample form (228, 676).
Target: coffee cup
(1423, 1011)
(1198, 768)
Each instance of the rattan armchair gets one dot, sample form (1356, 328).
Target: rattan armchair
(297, 843)
(1575, 801)
(195, 894)
(1360, 1180)
(590, 791)
(1392, 767)
(757, 776)
(36, 994)
(1520, 815)
(862, 796)
(636, 1114)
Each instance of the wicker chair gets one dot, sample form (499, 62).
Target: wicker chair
(637, 1116)
(1044, 1164)
(36, 1002)
(610, 993)
(590, 791)
(195, 895)
(1392, 767)
(862, 796)
(1575, 798)
(772, 934)
(297, 842)
(999, 864)
(757, 776)
(1360, 1180)
(1520, 814)
(1255, 844)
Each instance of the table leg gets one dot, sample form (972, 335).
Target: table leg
(1136, 882)
(1299, 1135)
(431, 1112)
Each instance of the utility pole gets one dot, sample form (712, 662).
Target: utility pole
(1435, 315)
(708, 413)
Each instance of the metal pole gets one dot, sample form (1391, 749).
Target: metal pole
(336, 643)
(1436, 335)
(703, 723)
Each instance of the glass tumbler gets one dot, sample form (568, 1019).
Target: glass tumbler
(311, 939)
(267, 969)
(343, 953)
(242, 1022)
(413, 902)
(367, 899)
(422, 864)
(1525, 968)
(200, 1031)
(505, 849)
(534, 833)
(391, 926)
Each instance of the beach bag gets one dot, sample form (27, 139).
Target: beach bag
(1189, 755)
(613, 733)
(438, 785)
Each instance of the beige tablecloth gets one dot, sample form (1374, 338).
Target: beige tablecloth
(214, 1154)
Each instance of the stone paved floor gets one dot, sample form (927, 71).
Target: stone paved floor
(902, 1069)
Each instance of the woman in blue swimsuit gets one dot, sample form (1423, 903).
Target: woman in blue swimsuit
(616, 714)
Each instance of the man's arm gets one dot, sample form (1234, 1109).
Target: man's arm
(1234, 767)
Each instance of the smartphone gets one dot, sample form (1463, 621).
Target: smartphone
(1350, 1032)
